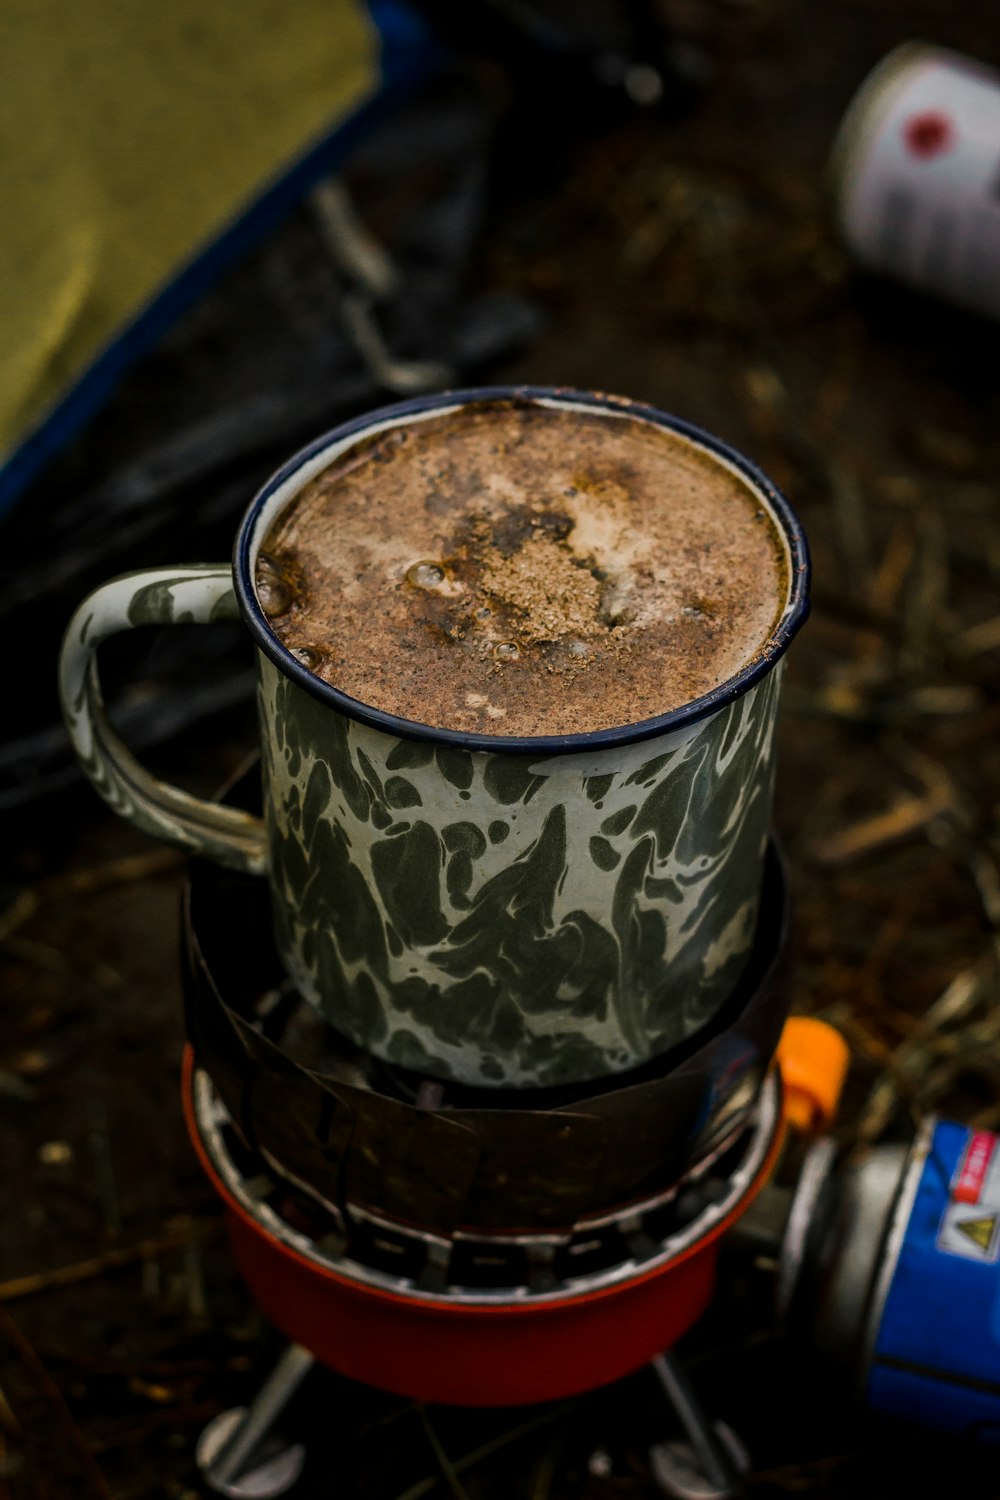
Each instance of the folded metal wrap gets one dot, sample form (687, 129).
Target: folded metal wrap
(495, 1161)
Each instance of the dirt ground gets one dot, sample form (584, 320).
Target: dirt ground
(691, 263)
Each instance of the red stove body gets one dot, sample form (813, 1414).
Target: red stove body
(474, 1348)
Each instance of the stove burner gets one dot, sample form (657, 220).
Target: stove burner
(597, 1252)
(482, 1319)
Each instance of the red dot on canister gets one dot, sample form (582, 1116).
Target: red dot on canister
(929, 134)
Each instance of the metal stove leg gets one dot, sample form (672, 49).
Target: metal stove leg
(710, 1465)
(233, 1455)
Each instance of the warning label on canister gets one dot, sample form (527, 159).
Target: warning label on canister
(970, 1225)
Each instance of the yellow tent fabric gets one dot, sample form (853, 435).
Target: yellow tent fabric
(131, 135)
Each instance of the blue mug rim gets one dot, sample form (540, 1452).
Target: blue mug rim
(792, 619)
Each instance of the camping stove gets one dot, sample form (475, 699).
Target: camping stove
(482, 1320)
(471, 1247)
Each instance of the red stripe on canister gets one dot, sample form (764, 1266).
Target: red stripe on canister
(973, 1167)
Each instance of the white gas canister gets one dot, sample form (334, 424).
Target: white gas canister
(916, 174)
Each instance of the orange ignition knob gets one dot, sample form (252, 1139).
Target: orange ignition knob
(813, 1058)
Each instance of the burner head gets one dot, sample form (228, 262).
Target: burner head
(359, 1134)
(480, 1319)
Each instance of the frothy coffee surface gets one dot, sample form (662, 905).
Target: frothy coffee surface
(515, 569)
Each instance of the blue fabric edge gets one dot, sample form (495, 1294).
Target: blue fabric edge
(409, 54)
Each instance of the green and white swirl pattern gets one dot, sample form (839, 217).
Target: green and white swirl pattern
(507, 921)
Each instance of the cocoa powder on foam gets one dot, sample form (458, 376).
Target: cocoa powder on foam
(515, 569)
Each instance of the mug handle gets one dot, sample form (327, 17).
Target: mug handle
(197, 594)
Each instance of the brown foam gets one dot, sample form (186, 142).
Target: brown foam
(515, 569)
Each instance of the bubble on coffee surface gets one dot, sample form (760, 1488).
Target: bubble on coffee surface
(273, 592)
(309, 656)
(506, 651)
(426, 575)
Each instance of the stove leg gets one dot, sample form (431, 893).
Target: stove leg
(710, 1464)
(233, 1453)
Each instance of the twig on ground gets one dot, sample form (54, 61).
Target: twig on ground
(20, 910)
(447, 1467)
(924, 605)
(909, 815)
(112, 1260)
(895, 1084)
(905, 1069)
(495, 1445)
(127, 1431)
(13, 1087)
(114, 872)
(53, 1396)
(978, 638)
(8, 1419)
(105, 1177)
(792, 1476)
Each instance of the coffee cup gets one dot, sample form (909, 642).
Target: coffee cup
(504, 910)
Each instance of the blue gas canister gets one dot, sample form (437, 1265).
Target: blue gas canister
(935, 1321)
(894, 1261)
